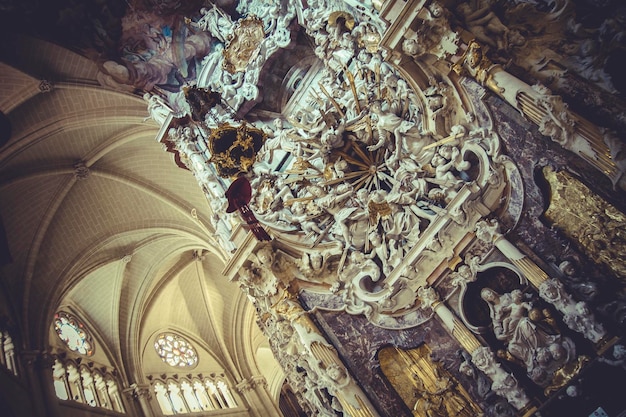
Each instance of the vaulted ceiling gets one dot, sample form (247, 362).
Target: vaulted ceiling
(100, 221)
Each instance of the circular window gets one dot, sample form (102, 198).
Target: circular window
(175, 350)
(73, 333)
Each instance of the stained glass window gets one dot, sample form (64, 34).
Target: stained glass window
(175, 350)
(73, 333)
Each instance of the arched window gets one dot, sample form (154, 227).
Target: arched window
(175, 350)
(201, 394)
(102, 393)
(176, 399)
(89, 392)
(114, 394)
(163, 399)
(74, 383)
(59, 374)
(225, 391)
(86, 385)
(215, 394)
(7, 352)
(73, 333)
(190, 396)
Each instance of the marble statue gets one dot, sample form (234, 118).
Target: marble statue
(484, 24)
(462, 276)
(503, 383)
(363, 173)
(576, 315)
(158, 108)
(223, 233)
(516, 324)
(281, 138)
(618, 358)
(583, 287)
(215, 21)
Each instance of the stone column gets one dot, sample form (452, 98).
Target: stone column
(8, 352)
(573, 132)
(488, 231)
(504, 383)
(576, 315)
(260, 384)
(249, 390)
(457, 329)
(142, 395)
(254, 391)
(38, 371)
(2, 357)
(324, 360)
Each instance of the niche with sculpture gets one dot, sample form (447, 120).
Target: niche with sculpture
(526, 333)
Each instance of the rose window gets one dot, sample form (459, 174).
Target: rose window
(175, 350)
(73, 333)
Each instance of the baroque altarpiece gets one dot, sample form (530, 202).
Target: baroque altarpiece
(423, 200)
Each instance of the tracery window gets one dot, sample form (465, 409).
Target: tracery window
(175, 350)
(7, 352)
(73, 333)
(87, 385)
(193, 395)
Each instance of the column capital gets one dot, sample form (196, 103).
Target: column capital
(259, 381)
(245, 386)
(138, 391)
(37, 359)
(488, 230)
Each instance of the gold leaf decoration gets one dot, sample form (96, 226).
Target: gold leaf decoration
(591, 223)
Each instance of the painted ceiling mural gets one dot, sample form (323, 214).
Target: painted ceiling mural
(138, 44)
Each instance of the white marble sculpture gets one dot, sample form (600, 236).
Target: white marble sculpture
(517, 325)
(576, 315)
(503, 383)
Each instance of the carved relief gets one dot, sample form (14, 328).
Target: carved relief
(587, 220)
(313, 368)
(365, 175)
(424, 385)
(432, 35)
(242, 47)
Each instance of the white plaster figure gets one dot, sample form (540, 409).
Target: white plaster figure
(215, 21)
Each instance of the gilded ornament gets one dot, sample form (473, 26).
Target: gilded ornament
(594, 225)
(234, 149)
(243, 47)
(475, 63)
(424, 384)
(341, 18)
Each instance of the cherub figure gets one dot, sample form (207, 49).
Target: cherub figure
(517, 309)
(282, 139)
(301, 216)
(388, 122)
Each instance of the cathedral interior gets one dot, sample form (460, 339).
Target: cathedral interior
(332, 208)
